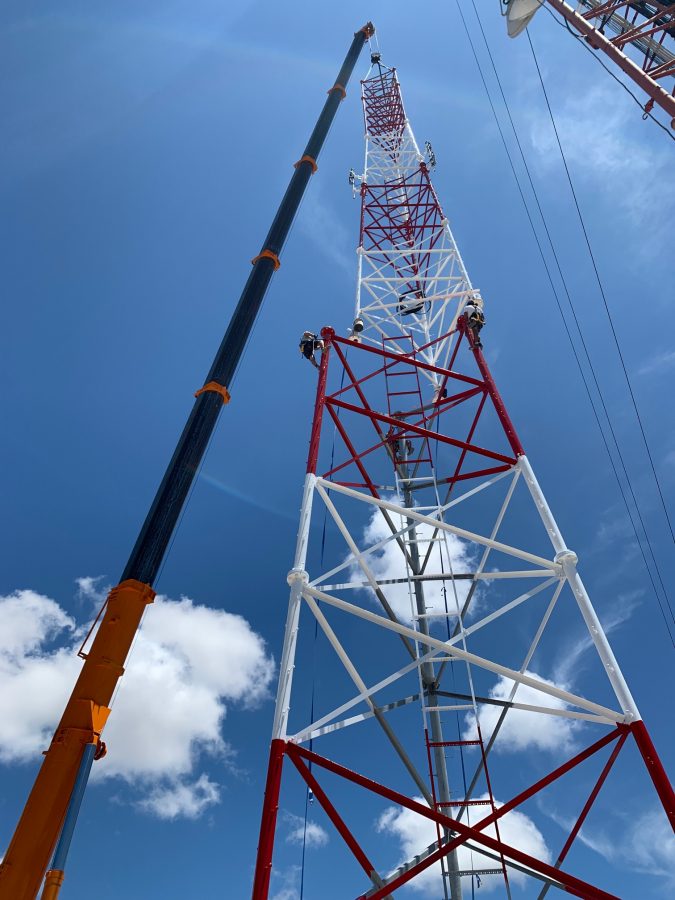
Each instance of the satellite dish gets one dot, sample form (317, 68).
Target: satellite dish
(518, 15)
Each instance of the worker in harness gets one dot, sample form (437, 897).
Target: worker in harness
(475, 319)
(309, 344)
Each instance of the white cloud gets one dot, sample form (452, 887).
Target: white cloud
(569, 663)
(34, 685)
(523, 730)
(320, 223)
(658, 363)
(88, 588)
(187, 664)
(616, 152)
(389, 563)
(314, 836)
(644, 844)
(27, 620)
(415, 833)
(186, 799)
(285, 883)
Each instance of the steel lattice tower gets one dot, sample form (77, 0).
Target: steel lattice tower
(427, 486)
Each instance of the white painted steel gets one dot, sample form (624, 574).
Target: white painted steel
(568, 560)
(511, 674)
(443, 526)
(296, 578)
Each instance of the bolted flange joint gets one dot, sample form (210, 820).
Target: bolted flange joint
(297, 575)
(567, 559)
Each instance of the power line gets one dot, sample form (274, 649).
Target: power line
(588, 358)
(602, 291)
(557, 299)
(598, 59)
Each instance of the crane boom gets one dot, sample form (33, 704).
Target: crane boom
(87, 710)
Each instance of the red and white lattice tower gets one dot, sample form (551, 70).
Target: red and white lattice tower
(444, 573)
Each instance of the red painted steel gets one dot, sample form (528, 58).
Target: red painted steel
(263, 868)
(388, 354)
(327, 336)
(573, 885)
(333, 815)
(640, 74)
(655, 768)
(406, 427)
(355, 456)
(495, 396)
(591, 799)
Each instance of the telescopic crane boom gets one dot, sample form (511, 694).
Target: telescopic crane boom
(54, 800)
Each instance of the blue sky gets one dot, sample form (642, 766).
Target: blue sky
(144, 155)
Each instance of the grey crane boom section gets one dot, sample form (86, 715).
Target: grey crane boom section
(154, 537)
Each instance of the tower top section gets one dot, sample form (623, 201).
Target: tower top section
(411, 278)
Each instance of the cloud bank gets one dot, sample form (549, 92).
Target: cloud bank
(523, 730)
(188, 663)
(451, 555)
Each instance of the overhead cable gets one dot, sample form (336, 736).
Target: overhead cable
(587, 354)
(602, 292)
(557, 299)
(584, 43)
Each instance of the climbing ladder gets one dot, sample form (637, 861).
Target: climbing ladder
(414, 469)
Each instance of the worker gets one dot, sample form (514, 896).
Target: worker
(475, 320)
(309, 344)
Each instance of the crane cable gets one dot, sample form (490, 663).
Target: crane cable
(602, 289)
(559, 305)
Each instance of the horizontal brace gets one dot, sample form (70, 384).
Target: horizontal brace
(407, 427)
(496, 668)
(354, 720)
(413, 362)
(409, 513)
(528, 707)
(455, 708)
(455, 743)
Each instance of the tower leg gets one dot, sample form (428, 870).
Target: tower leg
(263, 867)
(655, 768)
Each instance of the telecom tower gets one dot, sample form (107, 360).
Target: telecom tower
(426, 596)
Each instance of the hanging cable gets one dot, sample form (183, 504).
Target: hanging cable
(308, 792)
(559, 305)
(602, 289)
